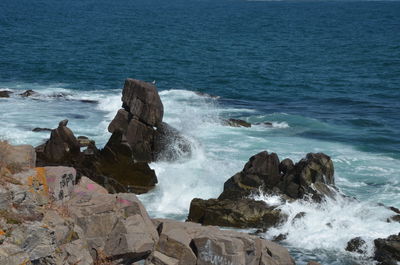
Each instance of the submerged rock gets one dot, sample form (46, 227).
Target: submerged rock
(5, 93)
(28, 93)
(237, 123)
(38, 129)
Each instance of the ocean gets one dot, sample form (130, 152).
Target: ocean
(326, 74)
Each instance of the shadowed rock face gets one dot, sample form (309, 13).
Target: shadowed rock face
(140, 122)
(387, 250)
(312, 176)
(62, 145)
(138, 137)
(141, 99)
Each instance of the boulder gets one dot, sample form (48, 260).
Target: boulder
(28, 93)
(141, 99)
(116, 225)
(62, 145)
(262, 170)
(312, 176)
(263, 173)
(190, 243)
(5, 93)
(38, 129)
(243, 213)
(387, 250)
(357, 245)
(140, 122)
(116, 161)
(237, 123)
(17, 158)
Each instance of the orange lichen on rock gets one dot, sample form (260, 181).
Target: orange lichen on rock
(38, 182)
(2, 232)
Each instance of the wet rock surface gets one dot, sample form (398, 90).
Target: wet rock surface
(387, 250)
(5, 93)
(140, 122)
(311, 178)
(243, 213)
(237, 123)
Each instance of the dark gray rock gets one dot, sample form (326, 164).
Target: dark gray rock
(28, 93)
(357, 245)
(387, 250)
(5, 93)
(243, 213)
(237, 123)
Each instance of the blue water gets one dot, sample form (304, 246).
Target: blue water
(327, 73)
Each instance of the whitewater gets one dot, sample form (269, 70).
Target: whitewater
(219, 152)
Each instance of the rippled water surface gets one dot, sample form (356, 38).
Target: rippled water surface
(326, 74)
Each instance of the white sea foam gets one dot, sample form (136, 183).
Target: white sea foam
(219, 152)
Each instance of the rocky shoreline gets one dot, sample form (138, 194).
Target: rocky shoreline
(68, 202)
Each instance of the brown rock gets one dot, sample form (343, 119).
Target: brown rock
(141, 99)
(209, 245)
(242, 213)
(17, 157)
(5, 93)
(62, 145)
(117, 162)
(28, 93)
(237, 123)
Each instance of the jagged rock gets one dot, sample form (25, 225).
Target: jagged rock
(243, 213)
(5, 93)
(261, 170)
(194, 244)
(169, 144)
(140, 122)
(141, 99)
(356, 244)
(312, 175)
(62, 145)
(117, 162)
(118, 225)
(263, 173)
(28, 93)
(286, 165)
(387, 250)
(237, 123)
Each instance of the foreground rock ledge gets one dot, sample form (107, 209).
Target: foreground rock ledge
(48, 216)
